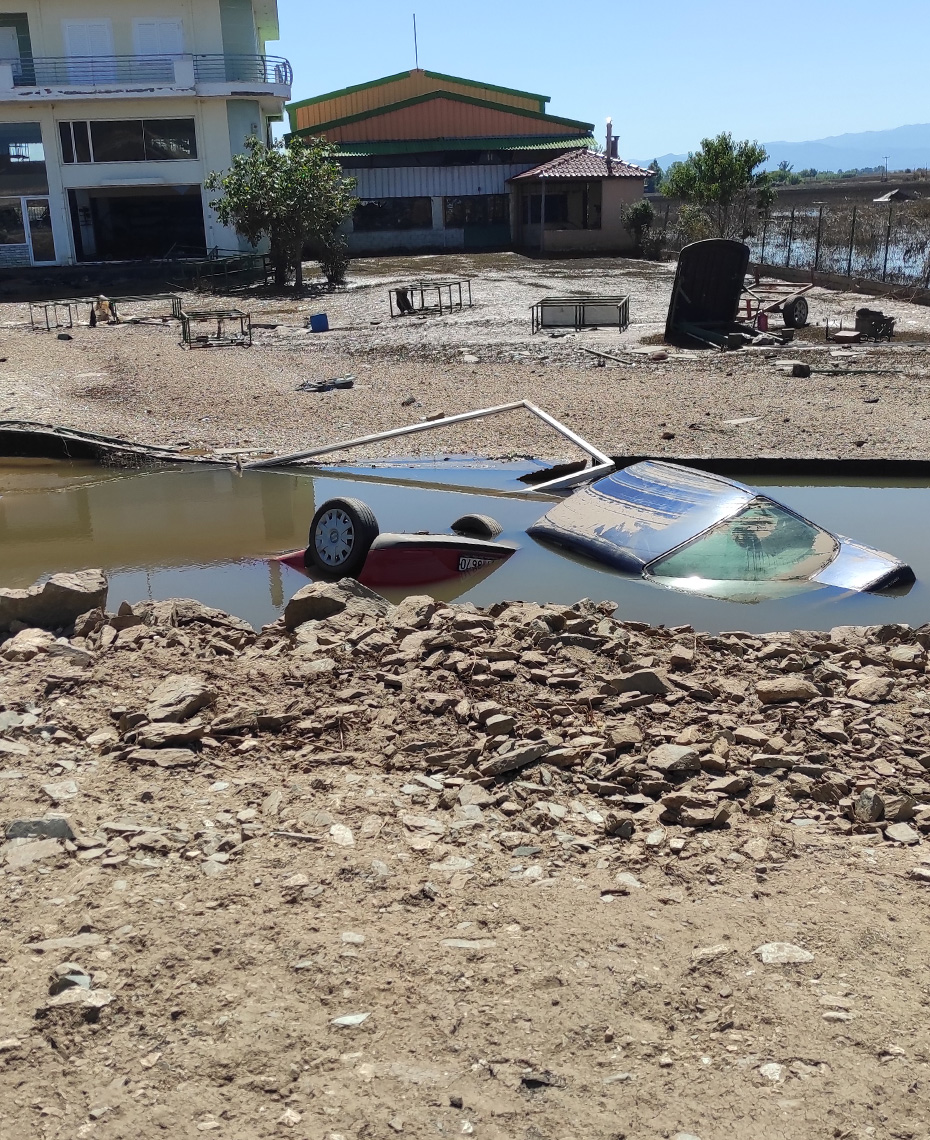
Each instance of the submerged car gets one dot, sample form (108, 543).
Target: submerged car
(706, 534)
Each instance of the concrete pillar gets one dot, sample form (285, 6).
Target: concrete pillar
(439, 221)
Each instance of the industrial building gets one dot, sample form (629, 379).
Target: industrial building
(439, 161)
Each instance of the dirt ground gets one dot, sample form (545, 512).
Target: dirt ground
(473, 836)
(138, 381)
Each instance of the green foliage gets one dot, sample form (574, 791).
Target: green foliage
(637, 220)
(292, 193)
(654, 182)
(810, 172)
(716, 182)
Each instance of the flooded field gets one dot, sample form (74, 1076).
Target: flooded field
(209, 533)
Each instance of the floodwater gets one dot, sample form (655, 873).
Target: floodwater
(207, 533)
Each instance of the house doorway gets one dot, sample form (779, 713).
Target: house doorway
(135, 223)
(26, 236)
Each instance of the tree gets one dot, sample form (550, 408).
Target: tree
(654, 183)
(719, 179)
(637, 220)
(292, 192)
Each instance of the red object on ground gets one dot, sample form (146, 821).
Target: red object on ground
(418, 559)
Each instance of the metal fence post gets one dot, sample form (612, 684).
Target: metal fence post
(765, 230)
(817, 246)
(852, 239)
(790, 239)
(887, 241)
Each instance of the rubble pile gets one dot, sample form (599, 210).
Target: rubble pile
(518, 726)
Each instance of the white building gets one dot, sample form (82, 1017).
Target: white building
(112, 115)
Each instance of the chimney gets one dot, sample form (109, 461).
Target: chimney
(610, 149)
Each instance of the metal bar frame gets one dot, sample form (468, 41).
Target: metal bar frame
(603, 463)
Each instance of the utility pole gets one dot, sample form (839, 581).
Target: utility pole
(885, 179)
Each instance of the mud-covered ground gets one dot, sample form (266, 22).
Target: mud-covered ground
(533, 873)
(138, 381)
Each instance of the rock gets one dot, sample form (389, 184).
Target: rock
(641, 681)
(619, 824)
(20, 853)
(64, 790)
(833, 729)
(179, 697)
(414, 612)
(499, 725)
(26, 644)
(627, 882)
(674, 758)
(772, 1071)
(74, 942)
(321, 600)
(624, 737)
(899, 809)
(424, 824)
(902, 833)
(163, 757)
(473, 795)
(167, 734)
(468, 943)
(869, 807)
(55, 827)
(56, 603)
(871, 689)
(350, 1020)
(710, 953)
(747, 734)
(341, 835)
(88, 1000)
(782, 954)
(790, 688)
(519, 756)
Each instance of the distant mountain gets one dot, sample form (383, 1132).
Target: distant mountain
(906, 147)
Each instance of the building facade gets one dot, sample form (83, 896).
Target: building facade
(433, 156)
(111, 116)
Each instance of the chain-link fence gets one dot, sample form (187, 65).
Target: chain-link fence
(878, 241)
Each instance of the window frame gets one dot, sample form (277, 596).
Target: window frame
(68, 125)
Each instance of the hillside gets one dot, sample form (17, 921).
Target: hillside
(907, 147)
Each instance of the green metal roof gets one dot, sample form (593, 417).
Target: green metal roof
(542, 99)
(420, 146)
(375, 112)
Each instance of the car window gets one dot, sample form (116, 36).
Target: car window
(764, 542)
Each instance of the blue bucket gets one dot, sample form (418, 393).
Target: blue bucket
(319, 323)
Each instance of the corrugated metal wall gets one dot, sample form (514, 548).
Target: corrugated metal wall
(430, 181)
(416, 83)
(444, 119)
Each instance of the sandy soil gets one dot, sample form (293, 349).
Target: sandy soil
(348, 821)
(139, 382)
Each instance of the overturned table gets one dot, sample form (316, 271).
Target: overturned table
(440, 296)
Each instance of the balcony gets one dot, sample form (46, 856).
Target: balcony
(77, 76)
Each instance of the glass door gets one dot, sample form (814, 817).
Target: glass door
(38, 217)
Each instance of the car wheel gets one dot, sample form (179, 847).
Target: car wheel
(341, 535)
(477, 526)
(794, 313)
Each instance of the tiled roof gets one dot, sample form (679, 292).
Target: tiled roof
(583, 164)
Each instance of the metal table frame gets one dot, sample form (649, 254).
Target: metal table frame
(580, 318)
(222, 338)
(447, 289)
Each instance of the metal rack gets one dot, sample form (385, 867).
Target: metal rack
(450, 294)
(54, 315)
(581, 312)
(223, 337)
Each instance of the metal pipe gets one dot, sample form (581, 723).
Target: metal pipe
(852, 240)
(602, 462)
(887, 241)
(819, 235)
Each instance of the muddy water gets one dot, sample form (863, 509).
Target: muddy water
(207, 533)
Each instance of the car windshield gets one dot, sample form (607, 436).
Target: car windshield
(763, 543)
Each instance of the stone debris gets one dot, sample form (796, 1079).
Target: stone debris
(782, 954)
(55, 603)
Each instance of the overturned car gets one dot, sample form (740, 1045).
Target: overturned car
(705, 534)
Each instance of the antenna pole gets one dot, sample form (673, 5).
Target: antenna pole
(416, 53)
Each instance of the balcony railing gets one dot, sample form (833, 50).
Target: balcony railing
(140, 70)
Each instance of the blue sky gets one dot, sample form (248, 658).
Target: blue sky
(669, 73)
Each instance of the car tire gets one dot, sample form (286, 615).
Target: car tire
(477, 526)
(794, 313)
(341, 535)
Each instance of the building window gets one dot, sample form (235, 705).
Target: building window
(12, 227)
(22, 160)
(394, 214)
(127, 140)
(556, 208)
(477, 210)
